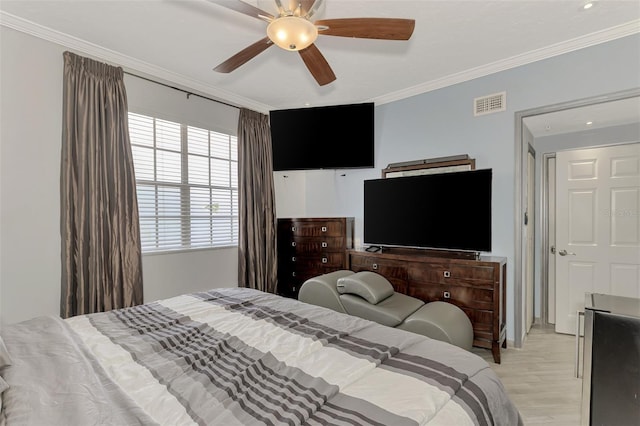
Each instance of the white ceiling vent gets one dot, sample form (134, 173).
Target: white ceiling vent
(489, 104)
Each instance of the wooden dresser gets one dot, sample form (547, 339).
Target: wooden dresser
(476, 286)
(308, 247)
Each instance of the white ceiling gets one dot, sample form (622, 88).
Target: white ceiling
(181, 41)
(605, 114)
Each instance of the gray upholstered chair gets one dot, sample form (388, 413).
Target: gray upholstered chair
(370, 296)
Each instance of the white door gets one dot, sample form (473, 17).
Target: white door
(597, 227)
(530, 223)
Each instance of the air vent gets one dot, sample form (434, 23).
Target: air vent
(489, 104)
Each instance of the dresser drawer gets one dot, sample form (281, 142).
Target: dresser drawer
(329, 228)
(302, 245)
(468, 297)
(320, 260)
(476, 276)
(291, 278)
(386, 268)
(483, 335)
(300, 273)
(393, 271)
(288, 287)
(484, 318)
(359, 261)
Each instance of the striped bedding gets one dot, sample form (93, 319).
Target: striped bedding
(242, 357)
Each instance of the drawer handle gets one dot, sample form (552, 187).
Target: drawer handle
(447, 274)
(324, 229)
(375, 266)
(293, 229)
(293, 244)
(293, 259)
(324, 244)
(293, 274)
(324, 260)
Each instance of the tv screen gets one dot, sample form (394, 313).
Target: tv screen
(449, 211)
(329, 137)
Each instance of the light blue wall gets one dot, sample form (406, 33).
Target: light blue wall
(441, 123)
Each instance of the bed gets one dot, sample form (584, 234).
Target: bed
(238, 356)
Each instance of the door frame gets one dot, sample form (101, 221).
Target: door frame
(521, 151)
(545, 245)
(530, 229)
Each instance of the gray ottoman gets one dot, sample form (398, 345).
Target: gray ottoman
(441, 321)
(371, 296)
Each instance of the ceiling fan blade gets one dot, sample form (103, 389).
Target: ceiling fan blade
(378, 28)
(306, 6)
(242, 7)
(244, 56)
(297, 7)
(317, 65)
(311, 7)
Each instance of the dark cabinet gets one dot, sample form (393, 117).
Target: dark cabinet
(611, 370)
(477, 286)
(308, 247)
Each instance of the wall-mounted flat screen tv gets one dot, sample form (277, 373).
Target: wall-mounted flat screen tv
(328, 137)
(450, 211)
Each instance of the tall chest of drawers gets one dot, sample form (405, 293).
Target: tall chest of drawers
(308, 247)
(477, 286)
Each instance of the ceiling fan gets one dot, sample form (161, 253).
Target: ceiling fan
(292, 29)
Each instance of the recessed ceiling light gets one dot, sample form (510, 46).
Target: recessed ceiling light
(588, 5)
(589, 123)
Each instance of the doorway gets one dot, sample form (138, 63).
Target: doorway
(525, 137)
(598, 232)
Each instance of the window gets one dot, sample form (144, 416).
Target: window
(187, 185)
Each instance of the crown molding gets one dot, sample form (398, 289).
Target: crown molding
(131, 64)
(592, 39)
(128, 63)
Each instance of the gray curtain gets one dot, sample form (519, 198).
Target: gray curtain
(257, 267)
(101, 254)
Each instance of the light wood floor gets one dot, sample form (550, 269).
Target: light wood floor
(540, 379)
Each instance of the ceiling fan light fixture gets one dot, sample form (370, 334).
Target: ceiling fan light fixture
(292, 32)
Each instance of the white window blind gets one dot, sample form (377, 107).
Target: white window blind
(187, 185)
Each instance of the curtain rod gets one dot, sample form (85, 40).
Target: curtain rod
(180, 90)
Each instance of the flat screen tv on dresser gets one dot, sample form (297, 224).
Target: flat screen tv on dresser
(449, 211)
(431, 229)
